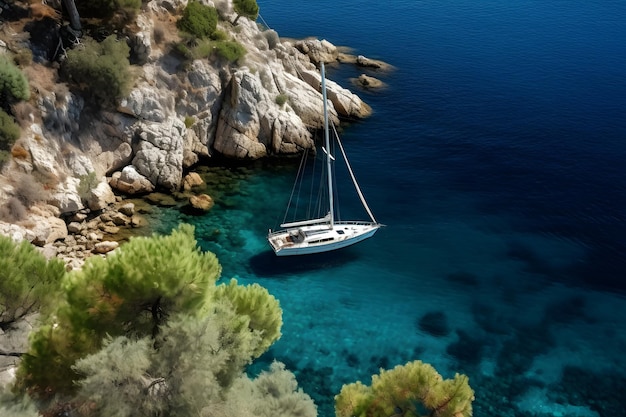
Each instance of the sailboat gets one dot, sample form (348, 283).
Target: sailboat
(327, 233)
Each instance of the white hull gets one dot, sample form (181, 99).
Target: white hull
(320, 238)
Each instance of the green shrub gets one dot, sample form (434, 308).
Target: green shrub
(189, 121)
(247, 8)
(219, 35)
(281, 99)
(87, 183)
(198, 20)
(230, 50)
(13, 83)
(101, 70)
(415, 388)
(9, 131)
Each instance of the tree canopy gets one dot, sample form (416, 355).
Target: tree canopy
(247, 8)
(130, 293)
(13, 83)
(102, 69)
(28, 282)
(198, 20)
(414, 389)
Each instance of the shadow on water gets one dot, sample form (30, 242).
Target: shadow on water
(266, 264)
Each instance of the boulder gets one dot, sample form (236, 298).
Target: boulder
(129, 181)
(159, 153)
(202, 202)
(105, 247)
(318, 50)
(127, 208)
(101, 196)
(366, 81)
(48, 230)
(65, 196)
(191, 180)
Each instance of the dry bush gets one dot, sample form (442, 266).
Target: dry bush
(40, 77)
(25, 113)
(13, 210)
(28, 190)
(158, 33)
(165, 32)
(40, 11)
(19, 152)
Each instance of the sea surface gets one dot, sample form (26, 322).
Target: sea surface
(495, 156)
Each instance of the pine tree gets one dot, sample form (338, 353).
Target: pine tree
(28, 282)
(414, 389)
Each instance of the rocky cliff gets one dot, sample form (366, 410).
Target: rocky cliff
(177, 114)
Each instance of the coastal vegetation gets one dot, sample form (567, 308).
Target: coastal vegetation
(101, 70)
(199, 27)
(150, 331)
(13, 88)
(415, 389)
(246, 8)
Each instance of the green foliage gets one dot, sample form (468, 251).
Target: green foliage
(131, 292)
(247, 8)
(115, 377)
(101, 70)
(9, 130)
(200, 49)
(230, 50)
(272, 393)
(198, 20)
(87, 183)
(281, 99)
(261, 308)
(189, 121)
(137, 287)
(13, 83)
(12, 406)
(415, 389)
(194, 364)
(28, 282)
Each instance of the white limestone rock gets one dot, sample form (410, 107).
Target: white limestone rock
(101, 196)
(318, 50)
(159, 153)
(105, 246)
(251, 123)
(129, 181)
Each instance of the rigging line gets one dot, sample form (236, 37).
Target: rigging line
(264, 22)
(356, 185)
(295, 184)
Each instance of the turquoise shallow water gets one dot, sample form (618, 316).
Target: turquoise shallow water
(495, 159)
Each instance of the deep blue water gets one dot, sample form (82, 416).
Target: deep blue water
(495, 158)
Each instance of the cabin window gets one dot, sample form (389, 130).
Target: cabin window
(313, 242)
(341, 232)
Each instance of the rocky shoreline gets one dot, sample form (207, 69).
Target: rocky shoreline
(73, 169)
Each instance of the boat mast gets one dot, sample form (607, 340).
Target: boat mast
(327, 145)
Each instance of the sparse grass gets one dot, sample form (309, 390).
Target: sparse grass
(41, 77)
